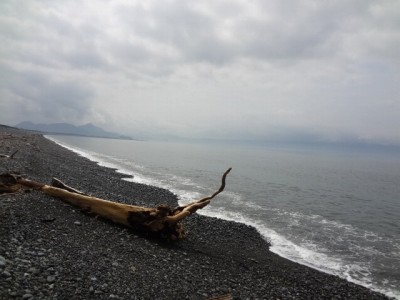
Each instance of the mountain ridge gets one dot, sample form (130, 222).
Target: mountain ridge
(88, 129)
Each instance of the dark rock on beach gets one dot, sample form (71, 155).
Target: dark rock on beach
(51, 250)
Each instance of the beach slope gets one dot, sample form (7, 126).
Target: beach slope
(51, 250)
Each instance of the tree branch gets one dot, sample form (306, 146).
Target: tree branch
(9, 156)
(184, 211)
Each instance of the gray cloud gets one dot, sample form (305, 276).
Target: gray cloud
(251, 69)
(35, 96)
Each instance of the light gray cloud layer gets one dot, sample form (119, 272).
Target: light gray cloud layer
(222, 69)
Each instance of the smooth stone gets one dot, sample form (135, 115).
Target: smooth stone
(2, 261)
(6, 274)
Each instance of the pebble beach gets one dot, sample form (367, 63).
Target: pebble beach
(51, 250)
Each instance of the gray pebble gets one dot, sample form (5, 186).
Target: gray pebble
(6, 274)
(77, 223)
(33, 270)
(27, 296)
(2, 261)
(51, 279)
(25, 261)
(13, 294)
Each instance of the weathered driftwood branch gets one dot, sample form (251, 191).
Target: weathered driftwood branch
(9, 156)
(9, 184)
(162, 220)
(59, 184)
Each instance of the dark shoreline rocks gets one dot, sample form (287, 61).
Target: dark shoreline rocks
(50, 250)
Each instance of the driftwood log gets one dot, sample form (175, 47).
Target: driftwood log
(162, 220)
(11, 156)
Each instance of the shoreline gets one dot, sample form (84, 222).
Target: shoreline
(130, 175)
(80, 257)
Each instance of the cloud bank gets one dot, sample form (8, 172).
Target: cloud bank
(216, 69)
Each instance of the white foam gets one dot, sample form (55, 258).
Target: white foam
(100, 159)
(279, 244)
(308, 254)
(137, 177)
(311, 254)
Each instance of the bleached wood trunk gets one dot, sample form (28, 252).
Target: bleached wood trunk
(162, 220)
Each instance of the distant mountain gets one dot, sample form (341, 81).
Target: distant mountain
(69, 129)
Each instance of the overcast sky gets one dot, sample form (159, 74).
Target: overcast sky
(234, 69)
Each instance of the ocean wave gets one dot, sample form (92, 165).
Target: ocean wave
(310, 254)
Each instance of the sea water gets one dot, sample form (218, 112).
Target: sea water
(335, 211)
